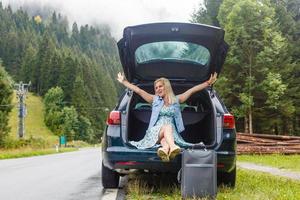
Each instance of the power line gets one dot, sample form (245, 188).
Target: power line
(7, 105)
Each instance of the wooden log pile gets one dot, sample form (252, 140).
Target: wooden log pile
(267, 144)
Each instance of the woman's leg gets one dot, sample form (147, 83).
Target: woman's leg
(166, 139)
(167, 134)
(163, 152)
(165, 145)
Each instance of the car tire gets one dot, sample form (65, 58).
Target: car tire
(228, 179)
(110, 178)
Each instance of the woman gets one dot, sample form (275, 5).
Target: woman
(166, 120)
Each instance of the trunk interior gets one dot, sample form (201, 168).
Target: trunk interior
(197, 113)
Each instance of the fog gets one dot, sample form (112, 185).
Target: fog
(116, 13)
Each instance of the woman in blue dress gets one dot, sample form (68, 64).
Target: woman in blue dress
(166, 122)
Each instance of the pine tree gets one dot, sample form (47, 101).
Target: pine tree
(39, 49)
(43, 68)
(5, 103)
(207, 13)
(257, 46)
(67, 74)
(28, 64)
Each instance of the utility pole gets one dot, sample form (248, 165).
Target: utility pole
(22, 89)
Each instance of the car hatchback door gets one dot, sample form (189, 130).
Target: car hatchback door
(182, 51)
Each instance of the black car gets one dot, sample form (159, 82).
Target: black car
(187, 54)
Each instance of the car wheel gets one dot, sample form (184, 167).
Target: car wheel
(110, 178)
(228, 179)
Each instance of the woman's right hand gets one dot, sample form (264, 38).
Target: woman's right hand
(121, 78)
(145, 95)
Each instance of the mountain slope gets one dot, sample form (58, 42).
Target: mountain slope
(34, 120)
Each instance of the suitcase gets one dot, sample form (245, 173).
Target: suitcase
(199, 173)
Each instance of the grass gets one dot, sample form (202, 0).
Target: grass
(290, 162)
(34, 121)
(251, 185)
(38, 140)
(27, 152)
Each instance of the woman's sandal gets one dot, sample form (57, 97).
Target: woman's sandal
(174, 153)
(163, 155)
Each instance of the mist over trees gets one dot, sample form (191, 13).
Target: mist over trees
(50, 52)
(260, 79)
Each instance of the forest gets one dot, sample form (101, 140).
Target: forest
(260, 79)
(78, 65)
(73, 67)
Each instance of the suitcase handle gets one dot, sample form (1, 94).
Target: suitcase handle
(200, 145)
(179, 175)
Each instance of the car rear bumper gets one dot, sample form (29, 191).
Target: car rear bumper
(126, 158)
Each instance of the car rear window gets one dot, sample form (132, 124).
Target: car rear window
(172, 51)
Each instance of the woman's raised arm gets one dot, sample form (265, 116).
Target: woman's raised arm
(145, 95)
(184, 96)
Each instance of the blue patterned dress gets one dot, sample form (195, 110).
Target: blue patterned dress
(166, 116)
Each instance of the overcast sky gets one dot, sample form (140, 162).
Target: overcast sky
(118, 13)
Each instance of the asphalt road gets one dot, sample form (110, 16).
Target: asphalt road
(66, 176)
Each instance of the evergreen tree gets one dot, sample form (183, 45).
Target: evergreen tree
(75, 34)
(39, 49)
(257, 46)
(5, 103)
(288, 17)
(67, 75)
(207, 13)
(44, 64)
(28, 64)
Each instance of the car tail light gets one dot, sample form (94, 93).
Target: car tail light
(228, 121)
(114, 118)
(128, 163)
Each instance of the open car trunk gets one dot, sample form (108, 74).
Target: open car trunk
(197, 113)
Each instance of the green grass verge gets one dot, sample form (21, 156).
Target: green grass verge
(290, 162)
(28, 152)
(38, 140)
(251, 185)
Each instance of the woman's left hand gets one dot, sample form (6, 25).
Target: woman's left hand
(212, 79)
(184, 96)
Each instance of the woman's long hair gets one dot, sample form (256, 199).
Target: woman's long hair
(168, 89)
